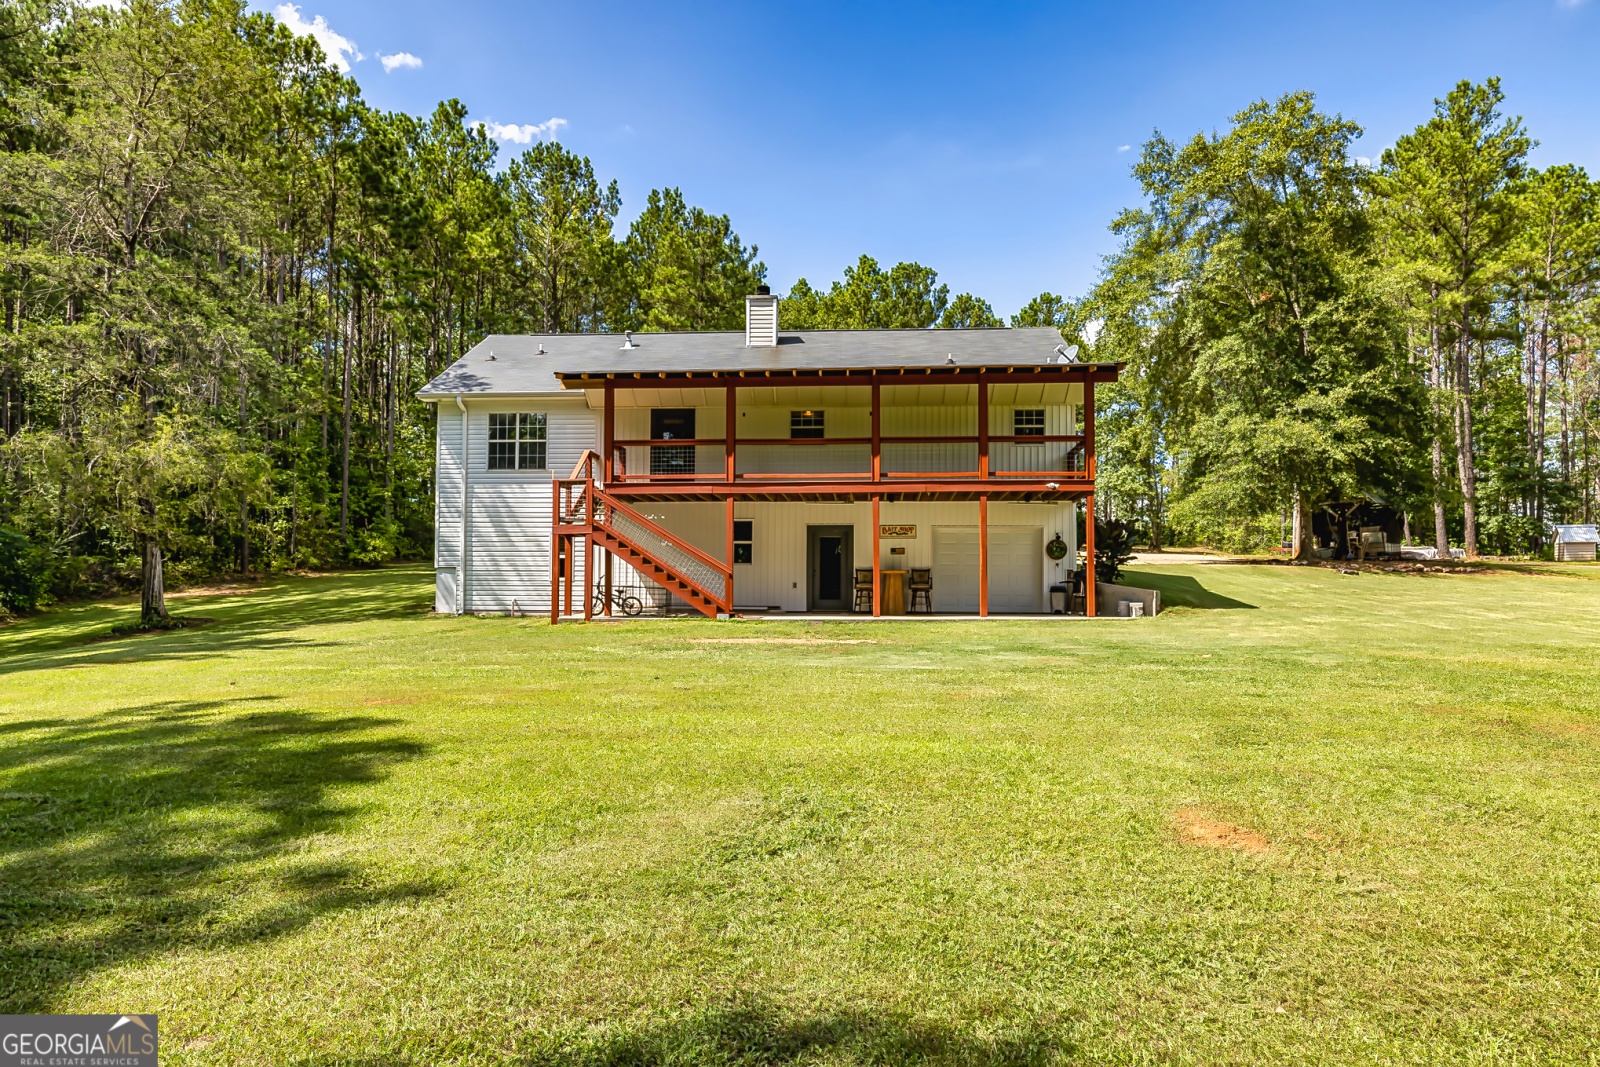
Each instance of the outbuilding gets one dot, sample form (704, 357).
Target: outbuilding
(1576, 543)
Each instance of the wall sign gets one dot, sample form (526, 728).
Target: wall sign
(897, 531)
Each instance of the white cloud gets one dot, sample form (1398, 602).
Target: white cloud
(1363, 161)
(399, 59)
(334, 45)
(521, 134)
(1123, 147)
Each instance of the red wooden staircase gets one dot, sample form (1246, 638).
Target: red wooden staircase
(584, 511)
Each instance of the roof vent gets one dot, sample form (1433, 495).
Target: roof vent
(951, 358)
(541, 349)
(761, 318)
(627, 341)
(490, 356)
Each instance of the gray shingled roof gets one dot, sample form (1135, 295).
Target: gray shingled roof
(518, 367)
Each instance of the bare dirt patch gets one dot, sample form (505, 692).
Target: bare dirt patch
(782, 641)
(1196, 828)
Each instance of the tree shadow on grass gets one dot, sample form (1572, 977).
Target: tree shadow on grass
(251, 620)
(175, 825)
(1180, 590)
(758, 1034)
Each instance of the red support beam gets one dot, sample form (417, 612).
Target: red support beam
(610, 432)
(568, 566)
(983, 555)
(983, 428)
(1088, 553)
(877, 442)
(588, 572)
(727, 580)
(877, 557)
(1067, 372)
(555, 553)
(730, 436)
(605, 608)
(1088, 426)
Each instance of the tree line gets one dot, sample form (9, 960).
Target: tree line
(224, 276)
(1300, 325)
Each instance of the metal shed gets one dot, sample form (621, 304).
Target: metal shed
(1577, 543)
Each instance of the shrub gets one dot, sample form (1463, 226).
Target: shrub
(24, 570)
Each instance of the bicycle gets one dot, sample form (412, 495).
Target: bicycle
(625, 602)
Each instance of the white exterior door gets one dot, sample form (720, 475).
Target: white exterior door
(1016, 568)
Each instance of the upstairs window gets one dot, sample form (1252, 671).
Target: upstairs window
(805, 425)
(672, 424)
(1027, 422)
(517, 442)
(744, 541)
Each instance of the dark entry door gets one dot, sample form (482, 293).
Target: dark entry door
(828, 567)
(672, 424)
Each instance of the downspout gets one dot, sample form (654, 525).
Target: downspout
(466, 524)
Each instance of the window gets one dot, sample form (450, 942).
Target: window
(1027, 422)
(671, 424)
(743, 541)
(804, 425)
(517, 442)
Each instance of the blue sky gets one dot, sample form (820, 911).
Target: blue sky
(990, 142)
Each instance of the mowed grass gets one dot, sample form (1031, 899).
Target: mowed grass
(1308, 818)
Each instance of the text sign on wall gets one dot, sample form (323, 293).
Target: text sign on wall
(897, 531)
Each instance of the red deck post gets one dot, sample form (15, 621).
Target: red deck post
(1088, 552)
(983, 428)
(983, 555)
(605, 608)
(727, 581)
(555, 553)
(730, 435)
(610, 431)
(1088, 427)
(877, 453)
(588, 578)
(877, 552)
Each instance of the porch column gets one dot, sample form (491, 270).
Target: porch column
(877, 554)
(877, 454)
(1088, 554)
(983, 428)
(1088, 427)
(567, 566)
(983, 553)
(609, 435)
(588, 578)
(555, 553)
(605, 608)
(727, 583)
(730, 434)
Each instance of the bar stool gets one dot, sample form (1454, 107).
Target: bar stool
(863, 589)
(921, 589)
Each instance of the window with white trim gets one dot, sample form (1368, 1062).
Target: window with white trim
(1027, 422)
(517, 442)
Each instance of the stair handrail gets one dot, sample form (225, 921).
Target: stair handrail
(724, 569)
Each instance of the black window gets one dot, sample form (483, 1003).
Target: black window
(1027, 422)
(743, 541)
(517, 442)
(670, 424)
(805, 424)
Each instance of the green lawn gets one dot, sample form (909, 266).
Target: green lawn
(1308, 818)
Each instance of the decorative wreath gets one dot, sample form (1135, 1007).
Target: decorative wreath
(1056, 549)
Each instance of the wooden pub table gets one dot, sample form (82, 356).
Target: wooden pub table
(893, 592)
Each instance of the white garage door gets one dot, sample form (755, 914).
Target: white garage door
(1016, 568)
